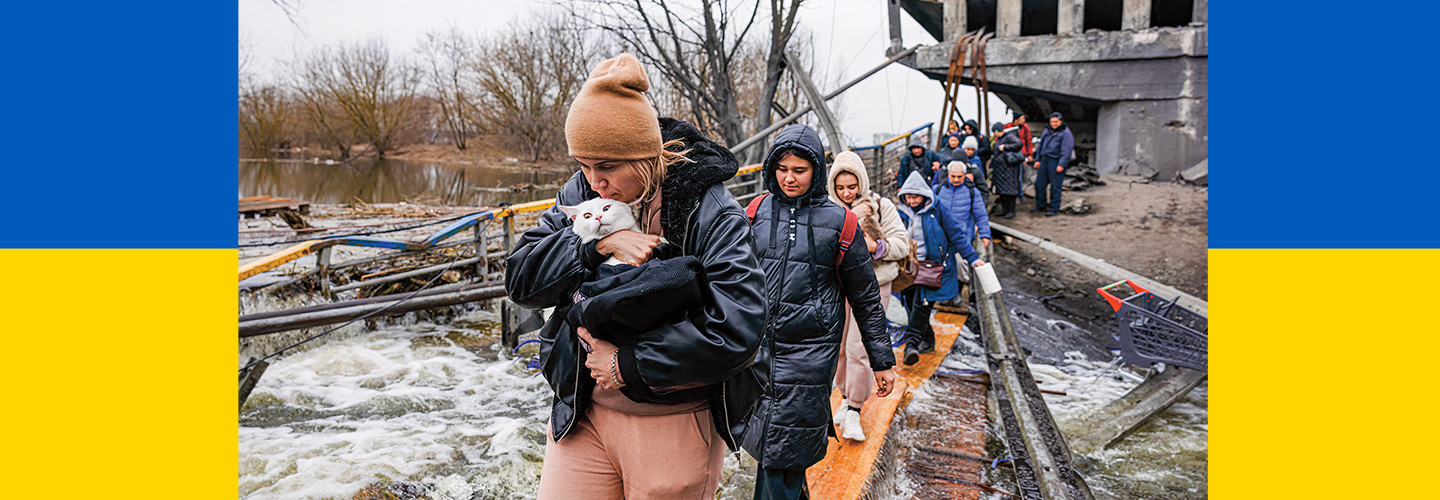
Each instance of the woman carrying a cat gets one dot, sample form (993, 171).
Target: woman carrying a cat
(648, 416)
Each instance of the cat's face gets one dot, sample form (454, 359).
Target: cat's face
(599, 217)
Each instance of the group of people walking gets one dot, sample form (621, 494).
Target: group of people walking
(784, 298)
(1003, 158)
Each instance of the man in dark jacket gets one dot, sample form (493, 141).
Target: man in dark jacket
(701, 359)
(807, 281)
(919, 160)
(1052, 158)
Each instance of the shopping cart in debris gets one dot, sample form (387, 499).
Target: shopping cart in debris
(1155, 330)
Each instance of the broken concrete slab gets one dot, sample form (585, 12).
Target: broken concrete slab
(1198, 174)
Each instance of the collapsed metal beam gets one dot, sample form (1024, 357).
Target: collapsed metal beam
(346, 311)
(1044, 470)
(817, 102)
(1111, 423)
(407, 274)
(801, 112)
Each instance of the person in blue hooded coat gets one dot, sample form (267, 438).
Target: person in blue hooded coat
(938, 237)
(797, 233)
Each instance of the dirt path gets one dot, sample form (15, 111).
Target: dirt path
(1158, 230)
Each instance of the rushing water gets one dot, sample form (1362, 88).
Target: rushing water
(438, 408)
(393, 181)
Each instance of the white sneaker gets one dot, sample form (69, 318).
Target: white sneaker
(852, 426)
(840, 410)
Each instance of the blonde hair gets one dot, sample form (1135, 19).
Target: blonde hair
(652, 171)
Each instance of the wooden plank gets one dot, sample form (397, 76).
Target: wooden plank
(520, 208)
(273, 205)
(846, 470)
(274, 260)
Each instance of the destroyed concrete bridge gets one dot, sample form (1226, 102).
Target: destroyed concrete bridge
(1129, 75)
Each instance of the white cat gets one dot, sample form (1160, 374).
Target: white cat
(598, 218)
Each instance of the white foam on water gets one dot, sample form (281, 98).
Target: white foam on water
(397, 405)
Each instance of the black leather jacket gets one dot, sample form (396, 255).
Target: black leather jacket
(796, 240)
(702, 357)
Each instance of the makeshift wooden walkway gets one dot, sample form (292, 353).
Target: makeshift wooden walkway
(261, 206)
(850, 467)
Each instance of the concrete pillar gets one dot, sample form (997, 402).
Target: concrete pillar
(1136, 15)
(1007, 19)
(895, 43)
(1071, 19)
(1160, 137)
(1107, 138)
(1200, 14)
(955, 20)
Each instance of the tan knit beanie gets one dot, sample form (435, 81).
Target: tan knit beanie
(611, 118)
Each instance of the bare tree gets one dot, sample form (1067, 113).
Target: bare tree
(446, 58)
(693, 50)
(782, 29)
(527, 76)
(361, 83)
(264, 114)
(324, 121)
(700, 54)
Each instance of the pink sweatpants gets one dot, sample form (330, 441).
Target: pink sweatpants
(613, 455)
(853, 376)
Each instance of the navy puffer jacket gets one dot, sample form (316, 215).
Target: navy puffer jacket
(797, 242)
(1057, 144)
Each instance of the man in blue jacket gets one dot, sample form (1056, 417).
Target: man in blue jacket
(1051, 160)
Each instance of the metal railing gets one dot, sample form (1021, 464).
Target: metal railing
(747, 183)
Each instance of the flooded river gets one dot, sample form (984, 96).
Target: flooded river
(439, 409)
(393, 181)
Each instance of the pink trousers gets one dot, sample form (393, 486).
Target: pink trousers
(853, 376)
(613, 455)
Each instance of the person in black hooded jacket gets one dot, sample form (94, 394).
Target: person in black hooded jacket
(649, 417)
(797, 231)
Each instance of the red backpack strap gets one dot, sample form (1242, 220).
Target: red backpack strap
(847, 236)
(754, 206)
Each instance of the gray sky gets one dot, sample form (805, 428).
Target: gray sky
(850, 38)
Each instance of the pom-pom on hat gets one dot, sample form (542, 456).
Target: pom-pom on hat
(611, 118)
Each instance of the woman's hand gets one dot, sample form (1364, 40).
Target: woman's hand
(863, 210)
(884, 382)
(631, 247)
(602, 354)
(871, 244)
(985, 242)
